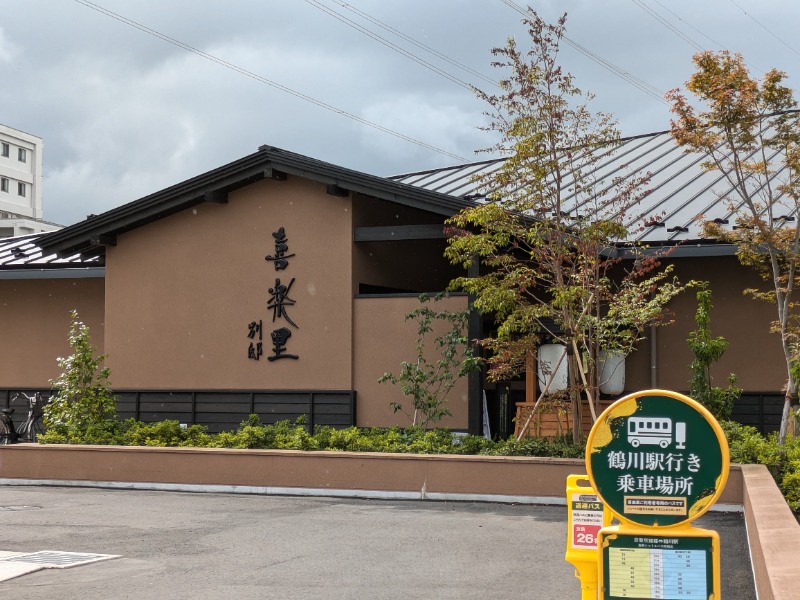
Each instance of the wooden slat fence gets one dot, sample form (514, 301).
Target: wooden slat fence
(221, 410)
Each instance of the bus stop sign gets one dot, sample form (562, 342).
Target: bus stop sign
(657, 458)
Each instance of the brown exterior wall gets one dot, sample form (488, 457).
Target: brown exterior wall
(179, 293)
(182, 290)
(754, 354)
(382, 340)
(34, 321)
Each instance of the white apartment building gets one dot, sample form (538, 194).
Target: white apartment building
(21, 184)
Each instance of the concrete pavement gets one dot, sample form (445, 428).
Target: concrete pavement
(202, 546)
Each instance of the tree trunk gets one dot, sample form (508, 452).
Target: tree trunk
(574, 391)
(789, 400)
(791, 392)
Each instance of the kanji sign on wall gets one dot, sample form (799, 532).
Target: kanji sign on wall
(279, 303)
(657, 458)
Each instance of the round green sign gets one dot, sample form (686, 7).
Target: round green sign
(657, 458)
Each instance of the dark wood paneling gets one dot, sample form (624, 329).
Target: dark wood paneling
(762, 411)
(225, 410)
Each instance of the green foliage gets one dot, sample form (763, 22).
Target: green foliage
(107, 432)
(708, 350)
(560, 447)
(164, 433)
(543, 233)
(425, 382)
(790, 485)
(130, 433)
(748, 131)
(285, 435)
(745, 442)
(83, 398)
(748, 446)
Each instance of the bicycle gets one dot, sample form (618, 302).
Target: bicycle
(32, 425)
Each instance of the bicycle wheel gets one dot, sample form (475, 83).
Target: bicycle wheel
(6, 432)
(26, 433)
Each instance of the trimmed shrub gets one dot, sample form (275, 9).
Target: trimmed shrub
(747, 445)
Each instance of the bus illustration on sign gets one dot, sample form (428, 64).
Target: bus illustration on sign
(655, 431)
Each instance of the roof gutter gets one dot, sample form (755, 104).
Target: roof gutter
(66, 273)
(682, 250)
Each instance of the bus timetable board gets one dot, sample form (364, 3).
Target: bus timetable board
(682, 565)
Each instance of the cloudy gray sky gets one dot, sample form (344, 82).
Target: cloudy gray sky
(124, 113)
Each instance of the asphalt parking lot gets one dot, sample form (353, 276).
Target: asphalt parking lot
(199, 546)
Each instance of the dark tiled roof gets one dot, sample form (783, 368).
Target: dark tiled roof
(90, 237)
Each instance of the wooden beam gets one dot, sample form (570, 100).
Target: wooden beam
(216, 196)
(106, 239)
(271, 173)
(399, 232)
(335, 190)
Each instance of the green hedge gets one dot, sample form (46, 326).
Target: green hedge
(748, 446)
(746, 443)
(295, 436)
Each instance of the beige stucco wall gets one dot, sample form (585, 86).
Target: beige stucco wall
(754, 354)
(182, 290)
(383, 339)
(34, 325)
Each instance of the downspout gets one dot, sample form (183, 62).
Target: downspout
(475, 378)
(653, 358)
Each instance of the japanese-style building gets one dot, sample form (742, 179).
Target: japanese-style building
(278, 285)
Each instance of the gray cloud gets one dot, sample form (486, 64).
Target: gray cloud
(124, 114)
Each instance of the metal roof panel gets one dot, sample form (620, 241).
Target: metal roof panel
(682, 194)
(24, 251)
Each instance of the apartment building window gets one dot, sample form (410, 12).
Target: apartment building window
(6, 149)
(21, 188)
(22, 154)
(4, 184)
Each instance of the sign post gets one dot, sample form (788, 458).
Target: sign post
(586, 516)
(657, 460)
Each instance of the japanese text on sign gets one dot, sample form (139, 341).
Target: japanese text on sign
(280, 259)
(656, 573)
(279, 303)
(653, 460)
(587, 520)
